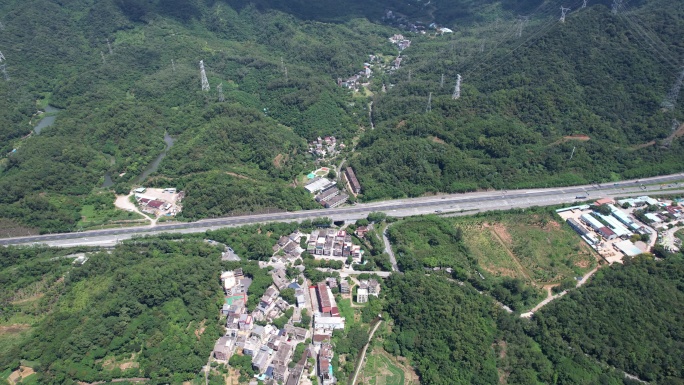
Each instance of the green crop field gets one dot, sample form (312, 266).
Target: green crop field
(380, 370)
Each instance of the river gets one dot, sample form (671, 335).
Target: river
(48, 120)
(155, 163)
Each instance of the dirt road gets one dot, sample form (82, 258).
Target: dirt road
(123, 202)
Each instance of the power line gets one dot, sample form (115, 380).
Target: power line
(564, 11)
(203, 75)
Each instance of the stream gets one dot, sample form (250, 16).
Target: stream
(155, 163)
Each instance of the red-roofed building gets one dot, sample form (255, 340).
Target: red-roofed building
(324, 301)
(155, 204)
(604, 201)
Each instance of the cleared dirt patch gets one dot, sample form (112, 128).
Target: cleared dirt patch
(278, 161)
(581, 138)
(502, 233)
(643, 145)
(435, 139)
(14, 329)
(19, 374)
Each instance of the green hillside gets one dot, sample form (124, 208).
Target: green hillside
(562, 103)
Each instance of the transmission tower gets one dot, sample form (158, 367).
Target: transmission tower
(109, 45)
(3, 69)
(2, 57)
(441, 82)
(102, 56)
(2, 27)
(564, 11)
(173, 66)
(203, 75)
(584, 3)
(522, 21)
(220, 93)
(457, 88)
(429, 105)
(409, 79)
(573, 152)
(616, 6)
(671, 98)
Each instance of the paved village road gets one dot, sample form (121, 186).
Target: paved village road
(464, 204)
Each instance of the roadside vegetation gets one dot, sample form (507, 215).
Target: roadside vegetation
(511, 255)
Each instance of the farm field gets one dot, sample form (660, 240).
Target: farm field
(380, 369)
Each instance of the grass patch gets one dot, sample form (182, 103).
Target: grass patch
(680, 234)
(381, 370)
(92, 217)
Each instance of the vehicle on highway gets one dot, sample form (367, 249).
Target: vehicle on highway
(581, 197)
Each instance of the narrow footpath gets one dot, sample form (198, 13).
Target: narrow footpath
(554, 297)
(359, 365)
(388, 249)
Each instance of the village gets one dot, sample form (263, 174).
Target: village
(286, 341)
(626, 227)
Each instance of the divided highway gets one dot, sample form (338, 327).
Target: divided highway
(455, 204)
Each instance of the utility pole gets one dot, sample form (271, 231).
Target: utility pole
(616, 6)
(429, 105)
(522, 21)
(173, 66)
(671, 98)
(203, 75)
(584, 3)
(103, 58)
(573, 152)
(482, 47)
(109, 45)
(220, 93)
(564, 11)
(409, 76)
(441, 82)
(457, 88)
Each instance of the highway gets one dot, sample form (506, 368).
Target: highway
(452, 204)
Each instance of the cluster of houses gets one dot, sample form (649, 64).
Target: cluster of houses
(358, 80)
(402, 21)
(289, 244)
(322, 147)
(366, 288)
(400, 41)
(327, 193)
(333, 244)
(270, 348)
(326, 320)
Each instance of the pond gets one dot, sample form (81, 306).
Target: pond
(48, 120)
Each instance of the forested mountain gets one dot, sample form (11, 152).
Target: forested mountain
(626, 318)
(542, 102)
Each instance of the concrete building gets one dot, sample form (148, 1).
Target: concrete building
(362, 295)
(328, 323)
(627, 248)
(353, 182)
(318, 184)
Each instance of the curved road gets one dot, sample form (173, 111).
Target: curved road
(467, 203)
